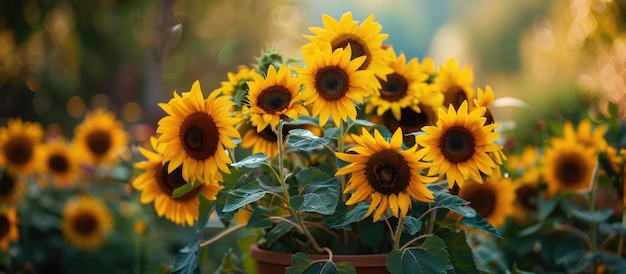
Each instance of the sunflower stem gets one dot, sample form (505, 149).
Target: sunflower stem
(340, 147)
(593, 225)
(620, 244)
(431, 222)
(398, 234)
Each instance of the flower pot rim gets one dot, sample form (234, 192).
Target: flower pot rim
(364, 260)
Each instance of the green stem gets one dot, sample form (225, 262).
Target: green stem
(431, 222)
(398, 234)
(620, 244)
(593, 226)
(340, 147)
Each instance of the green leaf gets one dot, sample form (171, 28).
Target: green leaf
(412, 225)
(371, 234)
(278, 231)
(259, 218)
(305, 140)
(319, 192)
(454, 203)
(413, 260)
(480, 223)
(460, 254)
(241, 196)
(436, 247)
(186, 260)
(227, 265)
(356, 214)
(598, 216)
(299, 263)
(220, 202)
(572, 256)
(252, 161)
(364, 123)
(204, 212)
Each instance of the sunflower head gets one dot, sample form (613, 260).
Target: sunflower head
(274, 97)
(100, 138)
(384, 174)
(195, 134)
(485, 99)
(455, 83)
(568, 166)
(237, 85)
(410, 122)
(8, 227)
(86, 222)
(11, 189)
(20, 146)
(493, 199)
(585, 134)
(364, 39)
(459, 146)
(333, 83)
(61, 162)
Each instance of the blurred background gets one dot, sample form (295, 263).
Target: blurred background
(61, 58)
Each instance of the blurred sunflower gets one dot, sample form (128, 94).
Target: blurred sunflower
(364, 39)
(275, 97)
(8, 227)
(86, 222)
(237, 85)
(401, 89)
(100, 138)
(11, 189)
(568, 166)
(455, 83)
(493, 199)
(61, 162)
(195, 134)
(385, 174)
(586, 135)
(460, 144)
(157, 186)
(333, 83)
(20, 146)
(526, 198)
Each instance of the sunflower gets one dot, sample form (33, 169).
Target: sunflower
(11, 189)
(455, 83)
(401, 89)
(8, 227)
(364, 39)
(61, 162)
(411, 121)
(586, 135)
(460, 144)
(100, 138)
(485, 99)
(333, 84)
(237, 86)
(157, 185)
(493, 199)
(86, 222)
(568, 166)
(526, 198)
(20, 146)
(274, 97)
(195, 134)
(384, 174)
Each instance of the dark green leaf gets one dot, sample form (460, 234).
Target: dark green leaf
(186, 261)
(241, 196)
(235, 176)
(436, 247)
(480, 223)
(364, 123)
(370, 233)
(319, 192)
(305, 140)
(321, 267)
(598, 216)
(412, 225)
(454, 203)
(459, 252)
(227, 265)
(252, 161)
(572, 256)
(299, 263)
(413, 260)
(220, 202)
(356, 214)
(259, 218)
(278, 231)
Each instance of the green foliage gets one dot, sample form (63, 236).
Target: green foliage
(455, 203)
(243, 195)
(460, 254)
(319, 192)
(413, 260)
(305, 140)
(252, 161)
(186, 261)
(302, 264)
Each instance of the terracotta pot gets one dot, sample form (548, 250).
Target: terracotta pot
(270, 262)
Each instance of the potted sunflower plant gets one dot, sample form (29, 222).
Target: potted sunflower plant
(353, 151)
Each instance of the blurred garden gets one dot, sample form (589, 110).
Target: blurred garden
(107, 107)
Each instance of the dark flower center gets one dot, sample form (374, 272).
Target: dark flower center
(58, 163)
(274, 99)
(455, 96)
(332, 83)
(410, 121)
(457, 144)
(482, 199)
(357, 46)
(5, 226)
(268, 135)
(571, 171)
(526, 196)
(199, 135)
(99, 142)
(7, 184)
(388, 172)
(85, 223)
(394, 89)
(168, 182)
(18, 150)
